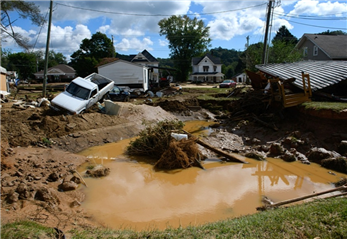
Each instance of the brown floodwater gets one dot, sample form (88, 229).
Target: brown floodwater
(135, 196)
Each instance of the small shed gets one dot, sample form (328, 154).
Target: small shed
(4, 87)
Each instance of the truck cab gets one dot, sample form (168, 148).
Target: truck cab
(82, 93)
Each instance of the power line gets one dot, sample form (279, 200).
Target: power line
(157, 15)
(310, 25)
(312, 18)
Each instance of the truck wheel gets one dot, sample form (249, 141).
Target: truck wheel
(105, 97)
(127, 99)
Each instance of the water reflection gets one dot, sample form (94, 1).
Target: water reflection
(136, 196)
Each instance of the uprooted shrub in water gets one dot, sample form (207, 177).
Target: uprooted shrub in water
(179, 154)
(154, 139)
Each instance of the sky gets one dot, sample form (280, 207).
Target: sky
(133, 24)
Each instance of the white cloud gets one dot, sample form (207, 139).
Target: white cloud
(134, 44)
(104, 29)
(163, 42)
(315, 7)
(64, 40)
(134, 23)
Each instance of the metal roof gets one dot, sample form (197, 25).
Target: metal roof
(322, 73)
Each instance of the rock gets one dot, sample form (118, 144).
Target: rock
(68, 186)
(12, 198)
(342, 149)
(53, 177)
(276, 149)
(75, 203)
(5, 175)
(98, 171)
(288, 157)
(45, 195)
(76, 180)
(318, 154)
(256, 155)
(299, 156)
(255, 141)
(338, 164)
(24, 191)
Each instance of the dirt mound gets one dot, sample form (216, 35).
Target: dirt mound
(42, 126)
(29, 187)
(177, 105)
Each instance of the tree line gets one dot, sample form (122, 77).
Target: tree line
(188, 38)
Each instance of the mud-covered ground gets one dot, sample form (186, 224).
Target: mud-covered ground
(38, 146)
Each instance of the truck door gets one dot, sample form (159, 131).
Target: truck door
(93, 98)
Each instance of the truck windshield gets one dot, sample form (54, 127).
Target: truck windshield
(78, 91)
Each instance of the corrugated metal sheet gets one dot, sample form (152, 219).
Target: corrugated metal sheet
(322, 73)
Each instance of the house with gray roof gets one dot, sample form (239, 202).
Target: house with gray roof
(58, 73)
(207, 68)
(146, 59)
(323, 47)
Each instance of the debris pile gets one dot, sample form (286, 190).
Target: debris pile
(156, 141)
(180, 154)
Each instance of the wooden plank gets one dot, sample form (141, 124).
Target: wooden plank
(344, 187)
(217, 151)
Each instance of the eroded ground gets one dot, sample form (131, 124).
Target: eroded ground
(38, 146)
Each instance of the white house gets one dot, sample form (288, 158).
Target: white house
(145, 58)
(125, 73)
(207, 68)
(240, 78)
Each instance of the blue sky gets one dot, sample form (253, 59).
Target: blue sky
(134, 23)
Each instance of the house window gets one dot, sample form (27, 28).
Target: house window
(205, 68)
(315, 51)
(214, 68)
(305, 51)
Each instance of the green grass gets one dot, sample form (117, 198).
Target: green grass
(214, 98)
(335, 106)
(26, 229)
(321, 218)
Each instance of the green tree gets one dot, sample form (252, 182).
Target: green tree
(283, 47)
(252, 56)
(25, 10)
(91, 52)
(54, 58)
(284, 35)
(281, 51)
(328, 32)
(23, 63)
(187, 38)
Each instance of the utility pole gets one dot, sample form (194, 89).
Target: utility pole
(267, 31)
(47, 50)
(113, 49)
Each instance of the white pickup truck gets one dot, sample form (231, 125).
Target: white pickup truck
(82, 93)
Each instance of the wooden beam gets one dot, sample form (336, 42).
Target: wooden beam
(344, 187)
(215, 150)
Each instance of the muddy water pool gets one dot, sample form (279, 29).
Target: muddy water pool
(135, 196)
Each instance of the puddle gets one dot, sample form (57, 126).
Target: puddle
(134, 196)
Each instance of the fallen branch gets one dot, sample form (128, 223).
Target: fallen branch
(344, 187)
(217, 151)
